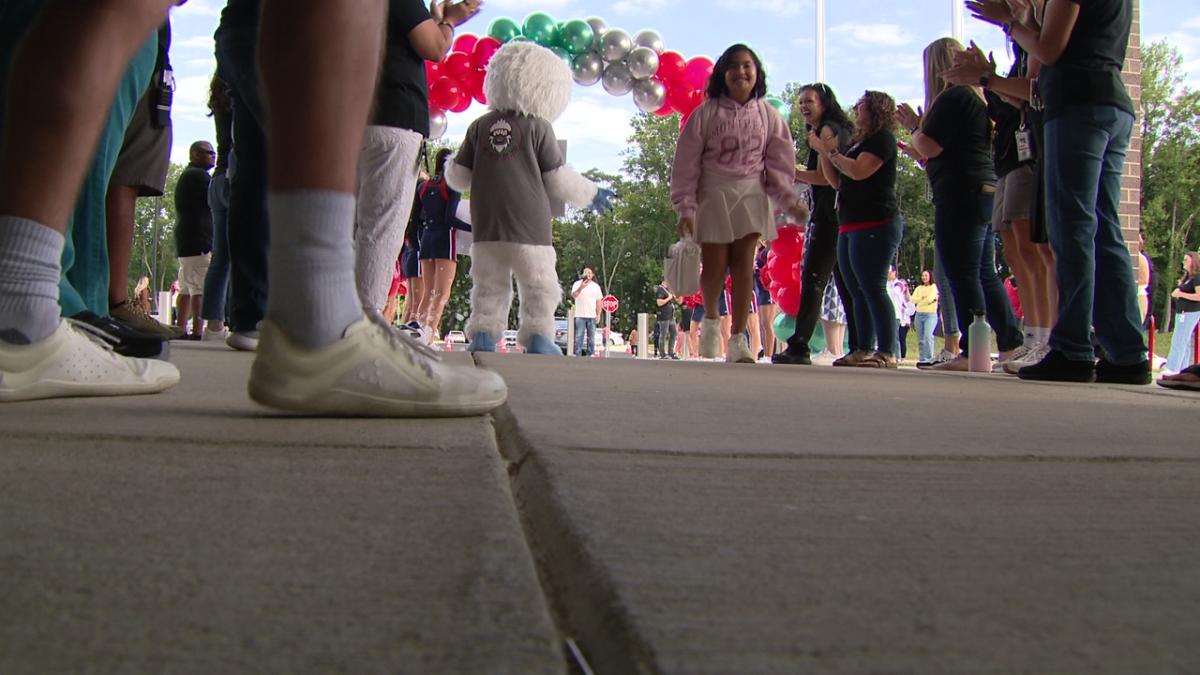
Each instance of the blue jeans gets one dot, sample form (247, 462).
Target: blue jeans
(925, 322)
(247, 221)
(584, 327)
(945, 298)
(864, 257)
(1085, 155)
(962, 228)
(1181, 341)
(216, 282)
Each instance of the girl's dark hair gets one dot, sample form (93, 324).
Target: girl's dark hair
(218, 97)
(716, 83)
(883, 114)
(439, 161)
(833, 110)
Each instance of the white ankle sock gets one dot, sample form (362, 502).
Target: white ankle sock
(30, 267)
(313, 298)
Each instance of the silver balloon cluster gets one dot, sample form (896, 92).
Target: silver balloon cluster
(623, 64)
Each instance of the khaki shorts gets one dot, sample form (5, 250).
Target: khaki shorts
(1014, 198)
(192, 271)
(145, 153)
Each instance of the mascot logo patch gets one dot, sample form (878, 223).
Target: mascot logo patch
(500, 135)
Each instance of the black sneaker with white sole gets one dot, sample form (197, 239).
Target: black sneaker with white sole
(125, 339)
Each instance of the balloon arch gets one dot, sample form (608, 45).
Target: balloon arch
(662, 82)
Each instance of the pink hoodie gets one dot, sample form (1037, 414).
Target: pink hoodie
(734, 144)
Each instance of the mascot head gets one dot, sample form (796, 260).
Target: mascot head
(529, 79)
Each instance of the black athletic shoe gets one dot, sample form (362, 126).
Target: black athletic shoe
(126, 340)
(791, 358)
(1109, 373)
(1056, 367)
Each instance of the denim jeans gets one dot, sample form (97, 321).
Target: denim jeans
(1085, 156)
(666, 337)
(820, 259)
(962, 227)
(247, 220)
(215, 305)
(945, 298)
(865, 256)
(1181, 341)
(584, 327)
(925, 322)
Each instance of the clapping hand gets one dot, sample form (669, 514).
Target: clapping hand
(817, 143)
(908, 117)
(970, 65)
(995, 12)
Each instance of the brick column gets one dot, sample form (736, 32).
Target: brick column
(1131, 182)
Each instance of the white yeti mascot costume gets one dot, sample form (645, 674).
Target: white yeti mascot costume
(512, 165)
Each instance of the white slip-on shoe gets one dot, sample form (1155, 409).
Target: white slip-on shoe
(738, 350)
(243, 341)
(374, 370)
(76, 361)
(710, 338)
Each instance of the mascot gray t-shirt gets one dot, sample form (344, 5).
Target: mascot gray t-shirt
(508, 153)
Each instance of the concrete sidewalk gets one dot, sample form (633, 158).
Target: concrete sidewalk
(668, 517)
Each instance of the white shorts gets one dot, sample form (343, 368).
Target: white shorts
(192, 271)
(733, 208)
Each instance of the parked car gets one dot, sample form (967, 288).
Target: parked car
(457, 337)
(560, 334)
(510, 340)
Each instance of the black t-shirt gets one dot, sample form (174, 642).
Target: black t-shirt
(958, 121)
(240, 14)
(223, 119)
(402, 98)
(824, 197)
(874, 198)
(667, 311)
(194, 228)
(1089, 70)
(1007, 122)
(1183, 304)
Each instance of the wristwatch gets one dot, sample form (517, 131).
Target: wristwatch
(985, 81)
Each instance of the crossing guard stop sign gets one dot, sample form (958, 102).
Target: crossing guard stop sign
(609, 303)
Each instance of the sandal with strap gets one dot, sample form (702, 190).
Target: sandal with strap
(879, 360)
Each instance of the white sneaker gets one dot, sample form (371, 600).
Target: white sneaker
(243, 341)
(1031, 357)
(215, 335)
(76, 361)
(710, 338)
(738, 350)
(374, 370)
(1019, 353)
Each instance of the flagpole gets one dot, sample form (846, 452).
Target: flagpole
(956, 20)
(820, 41)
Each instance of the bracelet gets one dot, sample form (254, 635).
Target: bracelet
(913, 130)
(448, 25)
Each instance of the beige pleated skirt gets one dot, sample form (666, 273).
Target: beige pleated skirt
(732, 208)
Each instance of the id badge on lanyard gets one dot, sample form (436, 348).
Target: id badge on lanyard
(1024, 139)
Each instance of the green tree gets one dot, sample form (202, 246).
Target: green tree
(1170, 169)
(153, 253)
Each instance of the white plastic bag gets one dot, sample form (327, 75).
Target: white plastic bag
(682, 267)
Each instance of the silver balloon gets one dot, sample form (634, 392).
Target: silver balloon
(617, 80)
(642, 62)
(437, 124)
(650, 38)
(649, 95)
(587, 68)
(598, 27)
(615, 44)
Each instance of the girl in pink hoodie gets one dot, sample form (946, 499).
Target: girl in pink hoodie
(735, 156)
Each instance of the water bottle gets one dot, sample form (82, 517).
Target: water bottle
(979, 353)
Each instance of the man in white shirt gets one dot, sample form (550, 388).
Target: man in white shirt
(587, 295)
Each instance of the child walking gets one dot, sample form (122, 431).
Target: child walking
(734, 157)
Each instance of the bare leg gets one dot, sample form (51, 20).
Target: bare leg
(715, 261)
(183, 310)
(389, 309)
(67, 72)
(1014, 256)
(1046, 255)
(120, 206)
(952, 345)
(197, 322)
(766, 315)
(443, 280)
(835, 336)
(741, 263)
(752, 325)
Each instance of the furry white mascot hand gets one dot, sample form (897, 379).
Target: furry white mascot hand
(511, 163)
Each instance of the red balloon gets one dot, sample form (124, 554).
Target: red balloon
(788, 300)
(457, 64)
(670, 66)
(683, 99)
(448, 93)
(475, 85)
(697, 71)
(463, 103)
(464, 43)
(485, 49)
(431, 71)
(796, 272)
(784, 248)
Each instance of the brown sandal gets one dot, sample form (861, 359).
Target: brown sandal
(851, 359)
(879, 360)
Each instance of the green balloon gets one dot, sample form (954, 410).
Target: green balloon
(784, 326)
(541, 28)
(576, 36)
(778, 105)
(562, 54)
(503, 29)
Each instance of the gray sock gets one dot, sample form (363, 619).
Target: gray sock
(30, 267)
(310, 267)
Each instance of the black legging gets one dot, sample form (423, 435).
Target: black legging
(820, 259)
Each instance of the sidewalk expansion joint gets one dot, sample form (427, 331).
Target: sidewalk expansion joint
(868, 457)
(597, 632)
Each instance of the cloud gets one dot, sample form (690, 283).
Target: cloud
(640, 7)
(769, 8)
(199, 8)
(204, 42)
(522, 6)
(1191, 23)
(873, 34)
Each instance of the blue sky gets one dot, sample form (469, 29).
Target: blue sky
(869, 45)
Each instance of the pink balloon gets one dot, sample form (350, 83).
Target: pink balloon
(485, 49)
(697, 71)
(464, 43)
